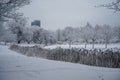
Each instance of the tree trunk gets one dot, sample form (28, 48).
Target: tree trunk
(93, 45)
(106, 45)
(18, 41)
(85, 45)
(28, 42)
(46, 42)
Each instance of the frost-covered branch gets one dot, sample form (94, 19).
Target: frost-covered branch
(115, 5)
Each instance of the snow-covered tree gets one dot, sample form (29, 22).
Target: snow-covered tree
(8, 36)
(42, 36)
(27, 34)
(17, 26)
(59, 35)
(86, 32)
(107, 34)
(69, 35)
(2, 29)
(5, 34)
(117, 33)
(8, 7)
(51, 37)
(94, 34)
(37, 36)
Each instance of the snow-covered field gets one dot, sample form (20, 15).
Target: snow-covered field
(14, 66)
(89, 46)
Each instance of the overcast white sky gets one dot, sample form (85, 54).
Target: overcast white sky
(56, 14)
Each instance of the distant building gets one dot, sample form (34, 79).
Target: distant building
(36, 23)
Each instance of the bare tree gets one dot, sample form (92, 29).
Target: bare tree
(115, 5)
(58, 32)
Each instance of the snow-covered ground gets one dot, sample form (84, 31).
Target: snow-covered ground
(14, 66)
(89, 46)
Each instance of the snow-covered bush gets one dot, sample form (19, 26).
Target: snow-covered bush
(30, 51)
(94, 57)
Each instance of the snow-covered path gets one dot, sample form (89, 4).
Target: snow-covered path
(14, 66)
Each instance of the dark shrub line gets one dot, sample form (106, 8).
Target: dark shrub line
(95, 57)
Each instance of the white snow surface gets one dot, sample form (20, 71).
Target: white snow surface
(14, 66)
(66, 46)
(89, 46)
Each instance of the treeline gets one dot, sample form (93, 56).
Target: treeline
(98, 34)
(17, 31)
(95, 57)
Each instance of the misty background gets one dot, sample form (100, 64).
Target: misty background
(56, 14)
